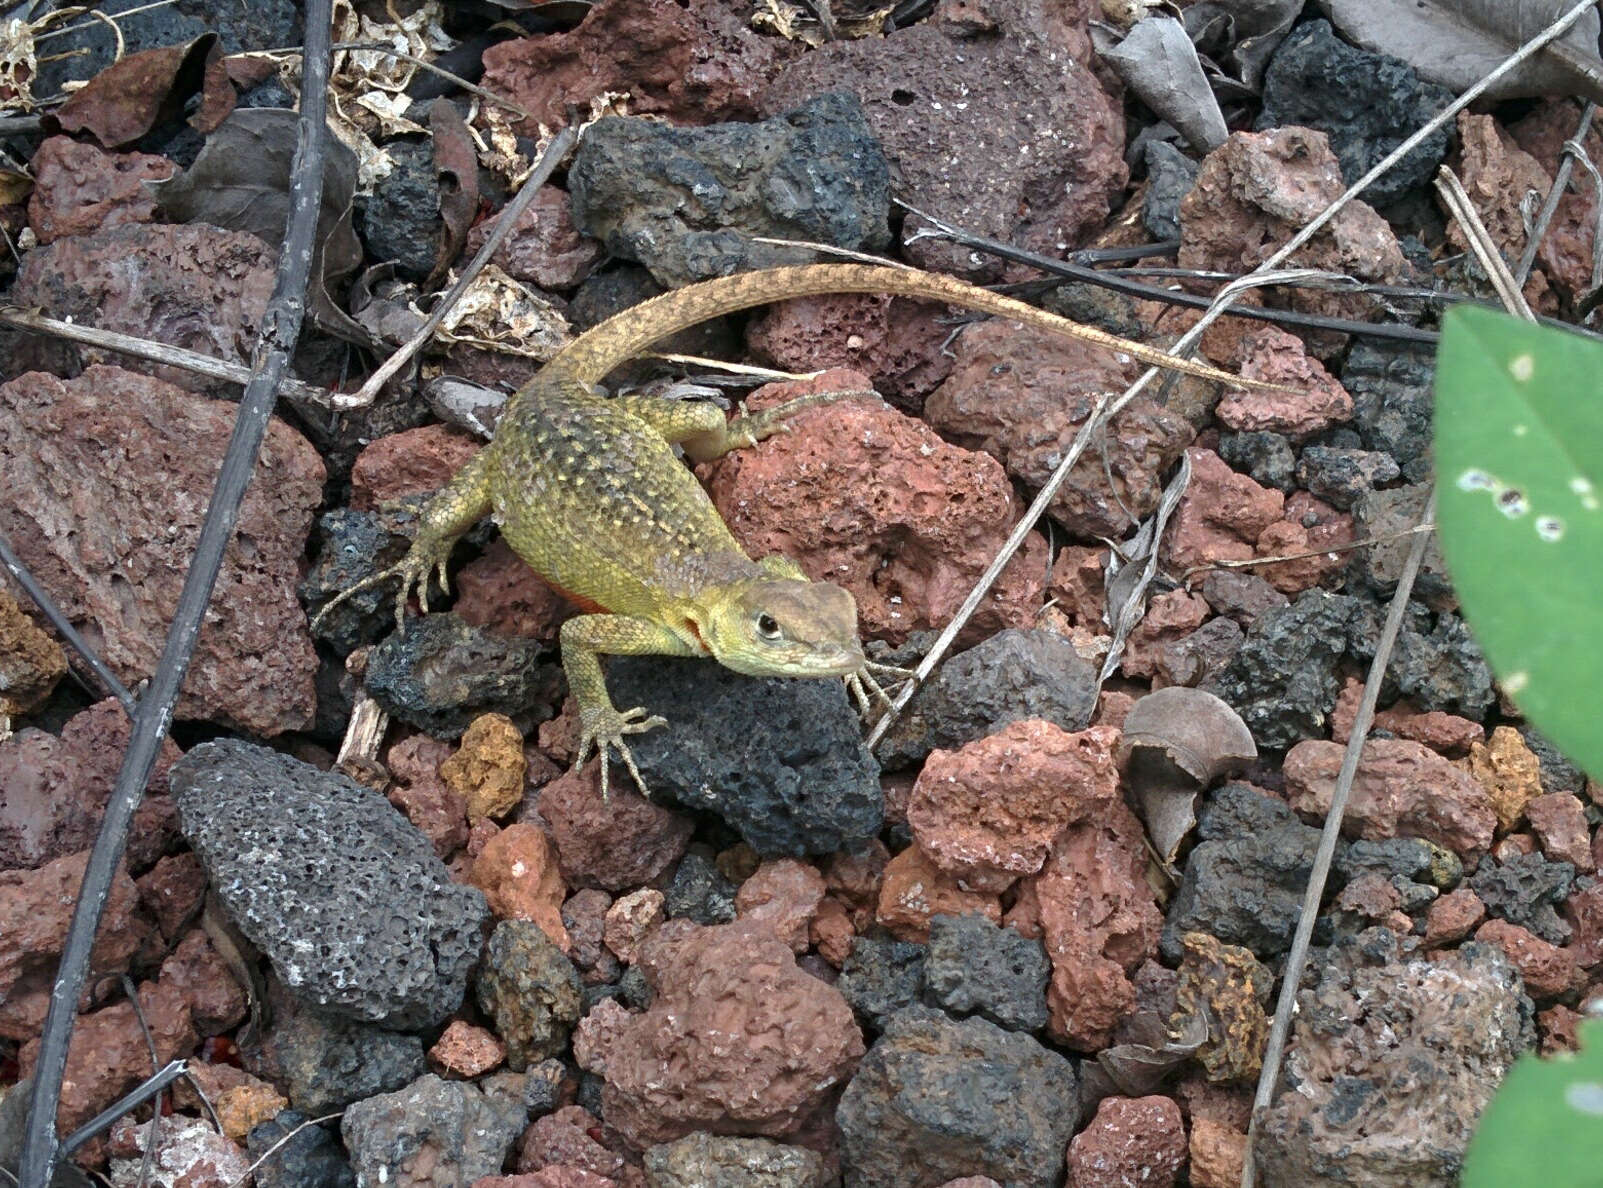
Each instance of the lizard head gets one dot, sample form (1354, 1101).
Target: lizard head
(783, 627)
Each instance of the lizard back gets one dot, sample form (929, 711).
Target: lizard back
(597, 503)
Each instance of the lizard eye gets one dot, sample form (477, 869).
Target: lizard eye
(767, 626)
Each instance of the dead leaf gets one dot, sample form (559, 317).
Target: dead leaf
(1458, 42)
(1138, 1067)
(1129, 575)
(456, 168)
(497, 313)
(1176, 742)
(15, 186)
(1158, 62)
(129, 98)
(1243, 35)
(240, 181)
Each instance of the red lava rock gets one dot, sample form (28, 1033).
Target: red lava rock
(1170, 616)
(617, 844)
(896, 341)
(1023, 395)
(695, 64)
(517, 871)
(544, 249)
(782, 895)
(79, 189)
(1559, 822)
(853, 878)
(1549, 971)
(1259, 189)
(109, 1053)
(1310, 526)
(585, 915)
(117, 457)
(631, 920)
(1217, 1153)
(564, 1139)
(987, 814)
(428, 801)
(1112, 708)
(412, 462)
(464, 1051)
(1402, 789)
(498, 592)
(1444, 733)
(212, 992)
(972, 1182)
(1583, 910)
(172, 891)
(54, 788)
(832, 932)
(989, 118)
(1370, 895)
(1566, 251)
(1132, 1140)
(1316, 403)
(875, 501)
(1557, 1028)
(914, 889)
(1076, 584)
(756, 1044)
(1496, 173)
(187, 285)
(1221, 515)
(554, 1176)
(1452, 917)
(1098, 922)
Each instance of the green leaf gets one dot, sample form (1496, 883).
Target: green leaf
(1519, 466)
(1545, 1126)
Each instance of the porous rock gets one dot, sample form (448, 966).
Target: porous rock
(615, 844)
(1525, 889)
(702, 1160)
(1390, 384)
(936, 1099)
(80, 189)
(323, 1063)
(1130, 1140)
(454, 1128)
(974, 967)
(302, 1155)
(1315, 403)
(914, 890)
(882, 976)
(531, 990)
(344, 896)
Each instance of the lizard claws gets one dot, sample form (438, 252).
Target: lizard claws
(866, 689)
(603, 729)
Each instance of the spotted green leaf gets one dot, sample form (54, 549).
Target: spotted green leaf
(1519, 468)
(1545, 1125)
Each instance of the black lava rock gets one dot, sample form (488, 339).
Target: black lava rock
(935, 1100)
(1390, 384)
(782, 761)
(400, 220)
(1443, 669)
(355, 545)
(1170, 176)
(702, 1160)
(1409, 858)
(1283, 679)
(976, 967)
(323, 1064)
(686, 202)
(531, 990)
(1266, 457)
(465, 1132)
(308, 1158)
(1241, 596)
(442, 673)
(1342, 477)
(343, 894)
(1015, 675)
(880, 977)
(1366, 103)
(1244, 881)
(700, 892)
(1381, 516)
(1558, 773)
(1526, 890)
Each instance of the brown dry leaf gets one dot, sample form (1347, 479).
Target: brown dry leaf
(497, 313)
(130, 97)
(456, 168)
(1138, 1067)
(19, 64)
(15, 186)
(1176, 742)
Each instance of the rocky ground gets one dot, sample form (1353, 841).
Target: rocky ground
(956, 961)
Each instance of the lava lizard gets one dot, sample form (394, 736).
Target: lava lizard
(588, 491)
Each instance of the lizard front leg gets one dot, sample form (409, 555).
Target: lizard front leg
(459, 505)
(601, 724)
(703, 431)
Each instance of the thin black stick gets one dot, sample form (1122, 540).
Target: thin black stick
(41, 1149)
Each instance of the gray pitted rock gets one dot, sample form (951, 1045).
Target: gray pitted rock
(881, 976)
(303, 1157)
(1391, 1062)
(1266, 457)
(432, 1132)
(400, 220)
(1558, 773)
(1384, 517)
(443, 673)
(1366, 103)
(343, 894)
(702, 1160)
(531, 990)
(1241, 596)
(1342, 477)
(1409, 862)
(1244, 881)
(1013, 676)
(686, 202)
(1170, 176)
(937, 1099)
(323, 1064)
(1283, 679)
(782, 761)
(1390, 384)
(1526, 890)
(700, 892)
(975, 967)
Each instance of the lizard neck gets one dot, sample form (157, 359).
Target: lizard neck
(604, 346)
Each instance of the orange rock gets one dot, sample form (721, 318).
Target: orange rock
(914, 889)
(488, 769)
(517, 871)
(1509, 771)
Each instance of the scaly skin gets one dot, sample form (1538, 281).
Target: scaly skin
(588, 491)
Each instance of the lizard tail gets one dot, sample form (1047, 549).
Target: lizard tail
(604, 346)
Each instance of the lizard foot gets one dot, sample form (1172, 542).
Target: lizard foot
(866, 690)
(749, 427)
(414, 570)
(603, 728)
